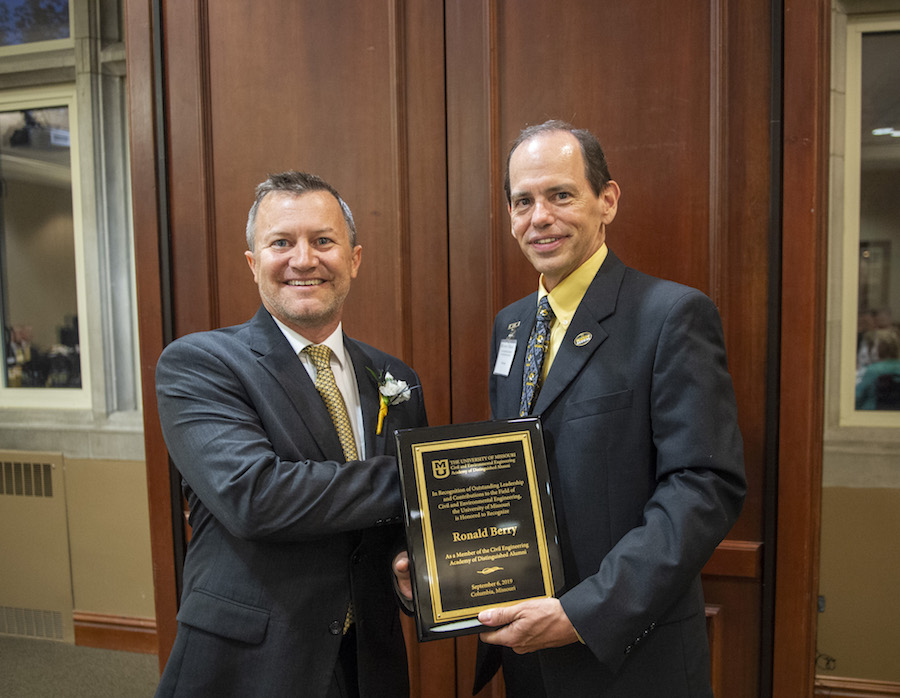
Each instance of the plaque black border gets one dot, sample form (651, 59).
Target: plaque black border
(432, 621)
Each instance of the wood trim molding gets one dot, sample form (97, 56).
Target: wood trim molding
(108, 632)
(471, 199)
(736, 558)
(715, 630)
(800, 413)
(189, 167)
(140, 43)
(843, 687)
(718, 148)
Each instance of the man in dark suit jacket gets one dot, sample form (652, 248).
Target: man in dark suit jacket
(640, 424)
(287, 580)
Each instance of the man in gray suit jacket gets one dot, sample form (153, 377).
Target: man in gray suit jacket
(289, 470)
(639, 417)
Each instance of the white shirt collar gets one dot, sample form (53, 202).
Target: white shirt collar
(335, 341)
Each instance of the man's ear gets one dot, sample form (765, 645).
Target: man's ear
(251, 260)
(609, 199)
(355, 260)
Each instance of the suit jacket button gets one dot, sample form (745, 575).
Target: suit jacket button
(336, 627)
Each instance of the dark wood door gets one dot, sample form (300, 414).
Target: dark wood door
(409, 108)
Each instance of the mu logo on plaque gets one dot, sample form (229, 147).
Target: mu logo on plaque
(441, 468)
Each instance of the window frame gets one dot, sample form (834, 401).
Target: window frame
(43, 46)
(95, 67)
(58, 398)
(849, 193)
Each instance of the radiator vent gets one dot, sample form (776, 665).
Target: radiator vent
(35, 570)
(26, 479)
(31, 623)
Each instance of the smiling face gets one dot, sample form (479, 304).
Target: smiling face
(302, 260)
(556, 218)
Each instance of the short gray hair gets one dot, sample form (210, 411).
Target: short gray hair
(297, 183)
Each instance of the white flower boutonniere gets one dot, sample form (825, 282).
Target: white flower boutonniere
(391, 391)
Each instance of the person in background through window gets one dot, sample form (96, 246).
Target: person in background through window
(878, 387)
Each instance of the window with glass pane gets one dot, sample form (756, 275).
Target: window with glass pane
(878, 331)
(37, 251)
(29, 21)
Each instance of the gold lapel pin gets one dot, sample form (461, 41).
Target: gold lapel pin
(583, 339)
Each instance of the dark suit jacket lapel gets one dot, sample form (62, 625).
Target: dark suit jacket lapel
(277, 357)
(599, 302)
(368, 396)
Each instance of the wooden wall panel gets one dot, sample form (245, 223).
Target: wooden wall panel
(473, 201)
(426, 271)
(637, 77)
(742, 241)
(190, 177)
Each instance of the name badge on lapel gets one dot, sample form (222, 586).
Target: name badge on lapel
(505, 356)
(507, 351)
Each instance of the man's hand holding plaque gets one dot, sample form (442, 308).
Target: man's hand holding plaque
(528, 626)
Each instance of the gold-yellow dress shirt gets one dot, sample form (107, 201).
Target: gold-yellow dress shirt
(565, 299)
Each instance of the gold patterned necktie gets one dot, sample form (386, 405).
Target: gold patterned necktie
(334, 401)
(331, 396)
(538, 343)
